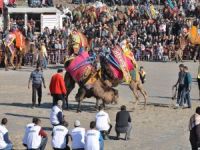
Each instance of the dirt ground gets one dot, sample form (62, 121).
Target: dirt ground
(159, 127)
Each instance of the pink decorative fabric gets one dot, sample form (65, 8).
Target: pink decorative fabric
(78, 66)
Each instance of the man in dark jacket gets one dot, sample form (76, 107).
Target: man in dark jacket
(194, 127)
(123, 123)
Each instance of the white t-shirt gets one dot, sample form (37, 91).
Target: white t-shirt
(78, 138)
(27, 129)
(3, 131)
(102, 121)
(34, 139)
(92, 140)
(53, 116)
(59, 137)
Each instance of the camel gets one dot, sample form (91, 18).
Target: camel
(12, 51)
(90, 85)
(134, 84)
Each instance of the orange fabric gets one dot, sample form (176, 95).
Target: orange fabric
(194, 36)
(19, 39)
(57, 84)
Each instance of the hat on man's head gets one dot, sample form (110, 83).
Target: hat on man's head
(60, 103)
(77, 123)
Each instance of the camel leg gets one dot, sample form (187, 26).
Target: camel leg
(6, 61)
(12, 61)
(79, 97)
(20, 56)
(133, 87)
(144, 93)
(97, 103)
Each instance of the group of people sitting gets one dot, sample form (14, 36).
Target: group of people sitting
(81, 139)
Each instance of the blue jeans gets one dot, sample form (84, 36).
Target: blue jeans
(8, 147)
(185, 97)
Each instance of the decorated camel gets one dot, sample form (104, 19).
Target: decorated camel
(15, 46)
(120, 66)
(80, 69)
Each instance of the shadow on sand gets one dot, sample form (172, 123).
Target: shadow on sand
(25, 116)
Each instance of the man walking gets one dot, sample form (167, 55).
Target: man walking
(57, 87)
(37, 79)
(5, 143)
(103, 122)
(187, 88)
(180, 83)
(123, 123)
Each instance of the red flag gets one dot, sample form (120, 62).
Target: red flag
(1, 4)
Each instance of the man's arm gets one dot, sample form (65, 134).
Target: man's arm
(6, 138)
(177, 81)
(43, 133)
(129, 118)
(62, 86)
(43, 81)
(30, 79)
(60, 117)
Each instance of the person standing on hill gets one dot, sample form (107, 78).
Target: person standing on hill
(37, 79)
(57, 87)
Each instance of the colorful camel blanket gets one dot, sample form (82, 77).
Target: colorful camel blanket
(80, 67)
(9, 42)
(20, 42)
(122, 61)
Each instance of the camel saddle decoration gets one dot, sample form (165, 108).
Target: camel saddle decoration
(80, 68)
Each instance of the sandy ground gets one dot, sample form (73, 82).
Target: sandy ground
(159, 127)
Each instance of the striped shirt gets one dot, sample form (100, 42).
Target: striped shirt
(36, 77)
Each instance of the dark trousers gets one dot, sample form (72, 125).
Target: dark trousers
(38, 89)
(67, 148)
(193, 145)
(126, 130)
(180, 90)
(57, 97)
(78, 149)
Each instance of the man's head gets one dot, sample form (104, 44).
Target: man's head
(38, 67)
(34, 119)
(60, 103)
(123, 108)
(4, 121)
(181, 67)
(77, 123)
(60, 71)
(101, 107)
(198, 110)
(65, 124)
(37, 121)
(185, 68)
(92, 124)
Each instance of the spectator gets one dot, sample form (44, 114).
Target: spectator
(5, 143)
(194, 128)
(60, 137)
(198, 78)
(180, 83)
(37, 79)
(142, 74)
(43, 56)
(123, 123)
(78, 136)
(56, 116)
(103, 122)
(187, 88)
(57, 87)
(37, 137)
(27, 129)
(93, 138)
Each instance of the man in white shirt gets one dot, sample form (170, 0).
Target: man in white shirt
(93, 138)
(103, 122)
(37, 137)
(5, 143)
(56, 116)
(77, 136)
(27, 129)
(60, 137)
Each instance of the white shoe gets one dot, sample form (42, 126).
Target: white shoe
(177, 106)
(185, 105)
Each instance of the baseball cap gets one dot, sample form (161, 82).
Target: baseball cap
(77, 123)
